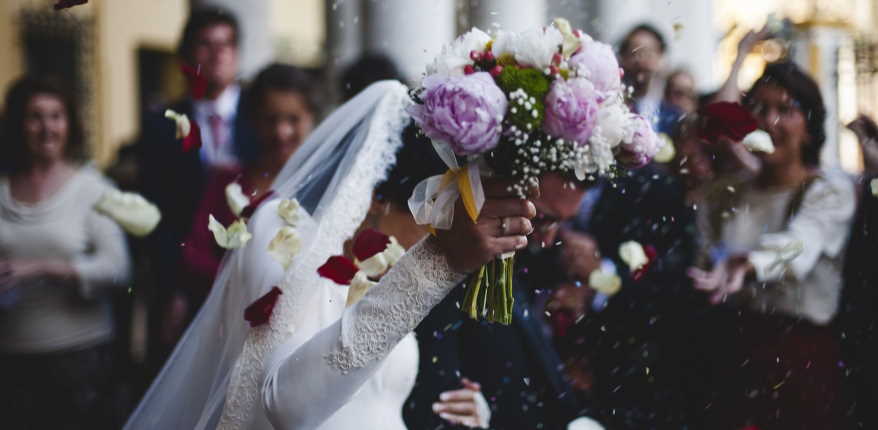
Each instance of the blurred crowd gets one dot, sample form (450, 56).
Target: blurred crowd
(756, 308)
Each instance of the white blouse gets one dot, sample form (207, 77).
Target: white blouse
(43, 314)
(798, 263)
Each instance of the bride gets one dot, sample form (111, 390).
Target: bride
(317, 363)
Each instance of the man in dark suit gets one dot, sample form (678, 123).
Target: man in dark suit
(518, 370)
(857, 319)
(634, 346)
(173, 177)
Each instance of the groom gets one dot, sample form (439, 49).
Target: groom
(516, 366)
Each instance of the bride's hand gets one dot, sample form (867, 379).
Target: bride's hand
(502, 226)
(466, 406)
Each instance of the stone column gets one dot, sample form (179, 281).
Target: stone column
(510, 15)
(411, 32)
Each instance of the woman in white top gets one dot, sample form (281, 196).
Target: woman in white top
(777, 243)
(317, 363)
(57, 258)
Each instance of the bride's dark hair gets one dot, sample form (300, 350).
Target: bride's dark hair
(416, 160)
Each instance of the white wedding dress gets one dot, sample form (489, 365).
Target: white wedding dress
(315, 364)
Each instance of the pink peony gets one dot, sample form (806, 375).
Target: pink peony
(464, 111)
(597, 62)
(641, 147)
(571, 110)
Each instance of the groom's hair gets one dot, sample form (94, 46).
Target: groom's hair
(416, 160)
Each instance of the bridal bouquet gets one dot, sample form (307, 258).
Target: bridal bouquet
(519, 105)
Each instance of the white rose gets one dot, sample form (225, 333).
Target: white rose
(131, 211)
(614, 123)
(666, 151)
(534, 47)
(235, 236)
(758, 141)
(455, 55)
(182, 121)
(288, 210)
(284, 246)
(359, 286)
(604, 282)
(633, 255)
(236, 198)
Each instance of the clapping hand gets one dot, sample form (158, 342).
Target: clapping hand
(466, 406)
(727, 277)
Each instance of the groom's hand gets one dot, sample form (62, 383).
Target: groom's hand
(502, 226)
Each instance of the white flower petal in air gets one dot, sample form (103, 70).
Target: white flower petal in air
(666, 151)
(182, 121)
(285, 246)
(393, 252)
(873, 184)
(235, 236)
(758, 141)
(288, 210)
(604, 282)
(359, 286)
(633, 255)
(131, 211)
(584, 423)
(236, 198)
(374, 266)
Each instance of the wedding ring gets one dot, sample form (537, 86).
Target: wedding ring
(503, 226)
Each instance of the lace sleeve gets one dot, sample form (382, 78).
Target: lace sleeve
(305, 386)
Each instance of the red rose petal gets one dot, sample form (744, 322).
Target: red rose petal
(651, 254)
(370, 242)
(259, 312)
(248, 211)
(725, 119)
(66, 4)
(562, 320)
(193, 140)
(197, 82)
(339, 269)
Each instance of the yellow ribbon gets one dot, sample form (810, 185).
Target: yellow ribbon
(460, 176)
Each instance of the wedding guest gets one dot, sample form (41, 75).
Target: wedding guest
(281, 106)
(175, 177)
(646, 325)
(866, 131)
(59, 259)
(680, 91)
(776, 242)
(366, 70)
(516, 365)
(642, 57)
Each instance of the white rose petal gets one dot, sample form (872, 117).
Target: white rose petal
(236, 198)
(183, 124)
(633, 255)
(874, 185)
(584, 423)
(604, 282)
(758, 141)
(393, 252)
(131, 211)
(359, 286)
(234, 237)
(288, 210)
(285, 246)
(666, 151)
(374, 266)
